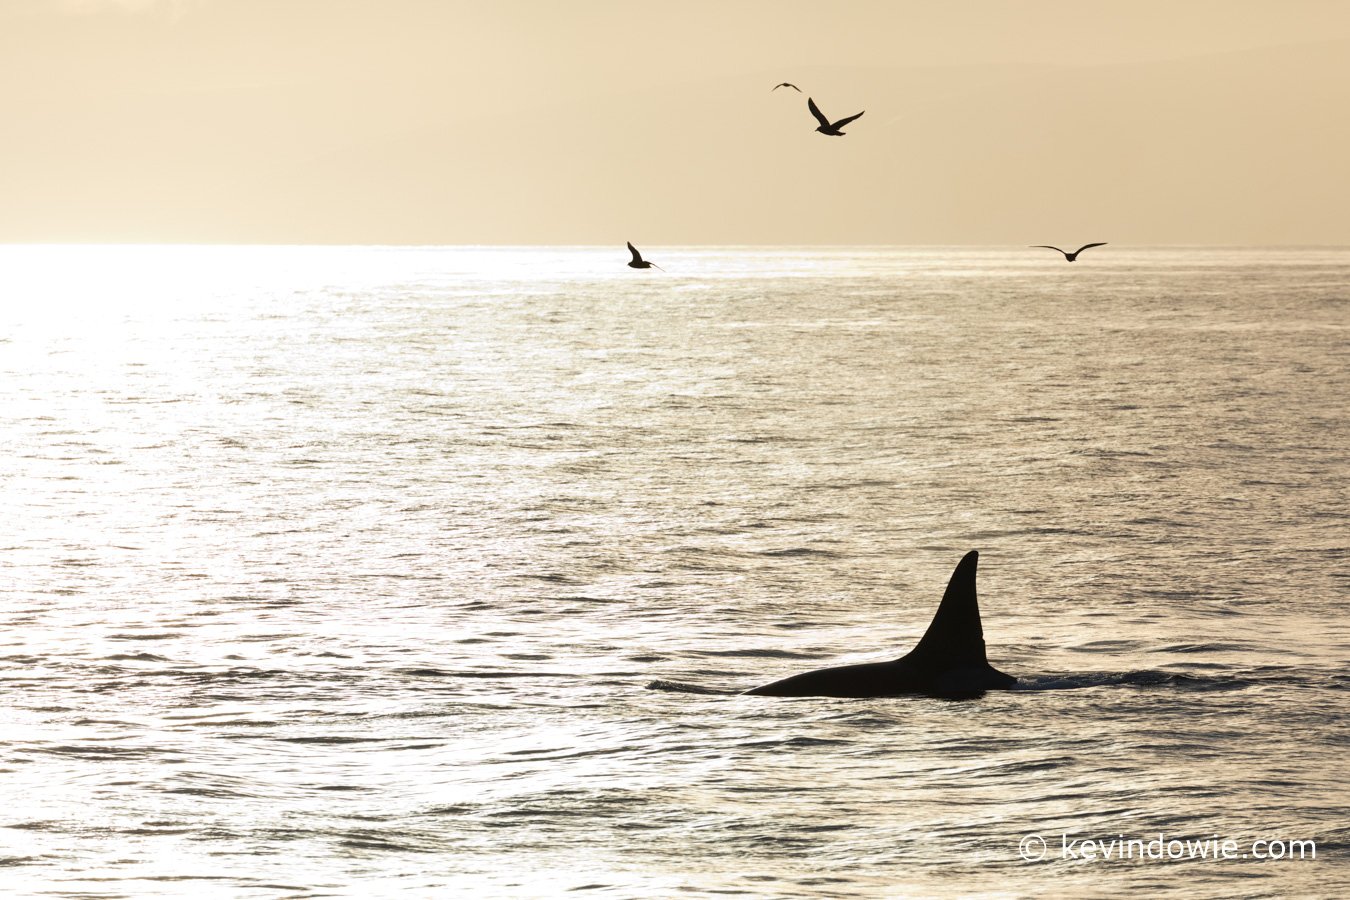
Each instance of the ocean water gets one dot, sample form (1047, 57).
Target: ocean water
(394, 572)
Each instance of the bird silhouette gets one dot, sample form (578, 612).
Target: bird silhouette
(786, 84)
(826, 126)
(1074, 255)
(638, 262)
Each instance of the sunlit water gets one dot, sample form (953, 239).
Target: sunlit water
(343, 572)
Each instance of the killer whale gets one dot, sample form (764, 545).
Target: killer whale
(948, 661)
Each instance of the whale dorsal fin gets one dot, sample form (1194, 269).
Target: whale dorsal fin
(955, 635)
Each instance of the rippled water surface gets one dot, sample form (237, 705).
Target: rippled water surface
(344, 571)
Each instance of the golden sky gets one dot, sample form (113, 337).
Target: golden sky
(591, 121)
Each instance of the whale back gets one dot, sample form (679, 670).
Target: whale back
(949, 660)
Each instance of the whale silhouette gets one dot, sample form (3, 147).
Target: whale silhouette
(949, 660)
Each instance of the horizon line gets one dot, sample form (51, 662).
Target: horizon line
(608, 244)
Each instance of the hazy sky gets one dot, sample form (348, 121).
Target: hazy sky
(588, 121)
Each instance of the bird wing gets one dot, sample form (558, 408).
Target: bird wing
(1085, 246)
(842, 122)
(815, 111)
(637, 257)
(1046, 246)
(791, 85)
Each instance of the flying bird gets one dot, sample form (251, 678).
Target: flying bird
(1074, 255)
(786, 84)
(638, 262)
(827, 127)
